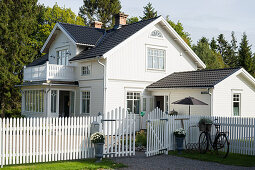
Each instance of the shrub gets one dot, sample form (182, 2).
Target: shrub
(141, 138)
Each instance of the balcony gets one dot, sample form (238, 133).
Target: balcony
(49, 72)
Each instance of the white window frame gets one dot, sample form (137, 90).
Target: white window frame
(240, 102)
(81, 98)
(34, 100)
(89, 67)
(147, 58)
(59, 59)
(133, 101)
(156, 37)
(56, 104)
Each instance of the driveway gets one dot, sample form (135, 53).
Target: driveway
(159, 162)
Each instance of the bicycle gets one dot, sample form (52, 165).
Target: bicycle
(220, 143)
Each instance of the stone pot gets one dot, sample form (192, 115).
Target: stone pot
(179, 143)
(99, 150)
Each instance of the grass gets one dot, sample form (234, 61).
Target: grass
(79, 164)
(232, 159)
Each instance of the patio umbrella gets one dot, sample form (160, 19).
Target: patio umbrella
(189, 101)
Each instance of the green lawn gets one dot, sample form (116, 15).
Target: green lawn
(232, 159)
(79, 164)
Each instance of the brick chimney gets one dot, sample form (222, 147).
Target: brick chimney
(96, 24)
(120, 19)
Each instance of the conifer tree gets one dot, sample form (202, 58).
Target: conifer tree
(17, 48)
(100, 10)
(245, 55)
(149, 12)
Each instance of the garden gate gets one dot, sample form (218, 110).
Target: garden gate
(157, 133)
(119, 130)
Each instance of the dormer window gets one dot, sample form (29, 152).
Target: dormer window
(156, 34)
(62, 57)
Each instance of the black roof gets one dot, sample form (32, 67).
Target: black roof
(112, 38)
(83, 34)
(39, 61)
(200, 78)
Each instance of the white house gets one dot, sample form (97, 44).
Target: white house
(87, 70)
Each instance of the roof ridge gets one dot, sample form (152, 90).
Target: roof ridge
(206, 70)
(84, 26)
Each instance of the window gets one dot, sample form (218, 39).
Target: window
(156, 33)
(85, 70)
(53, 107)
(156, 59)
(85, 102)
(133, 102)
(34, 101)
(62, 57)
(236, 104)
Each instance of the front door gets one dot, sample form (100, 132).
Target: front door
(159, 102)
(64, 103)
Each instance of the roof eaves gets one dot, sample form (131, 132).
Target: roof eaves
(234, 70)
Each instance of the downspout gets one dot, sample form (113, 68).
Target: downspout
(104, 84)
(211, 100)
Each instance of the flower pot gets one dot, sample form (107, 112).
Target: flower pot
(99, 150)
(205, 127)
(179, 143)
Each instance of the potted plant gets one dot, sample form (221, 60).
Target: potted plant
(98, 140)
(205, 124)
(179, 138)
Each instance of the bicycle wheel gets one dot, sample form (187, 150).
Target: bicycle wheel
(203, 143)
(221, 145)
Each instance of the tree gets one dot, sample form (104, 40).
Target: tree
(180, 30)
(212, 59)
(48, 17)
(132, 20)
(233, 54)
(149, 12)
(17, 48)
(213, 44)
(245, 55)
(222, 47)
(99, 10)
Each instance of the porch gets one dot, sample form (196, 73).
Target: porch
(46, 102)
(49, 72)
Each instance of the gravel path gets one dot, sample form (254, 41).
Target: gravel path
(159, 162)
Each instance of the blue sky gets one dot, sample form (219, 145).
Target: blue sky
(199, 17)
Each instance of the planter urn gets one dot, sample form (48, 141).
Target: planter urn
(99, 150)
(179, 143)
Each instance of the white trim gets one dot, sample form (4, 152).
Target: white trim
(156, 37)
(239, 92)
(182, 42)
(146, 58)
(57, 25)
(85, 90)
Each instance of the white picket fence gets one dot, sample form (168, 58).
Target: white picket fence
(241, 132)
(32, 140)
(119, 128)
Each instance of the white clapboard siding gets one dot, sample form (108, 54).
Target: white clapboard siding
(119, 128)
(240, 131)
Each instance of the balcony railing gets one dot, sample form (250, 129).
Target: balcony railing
(49, 72)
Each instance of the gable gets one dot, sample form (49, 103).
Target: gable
(79, 35)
